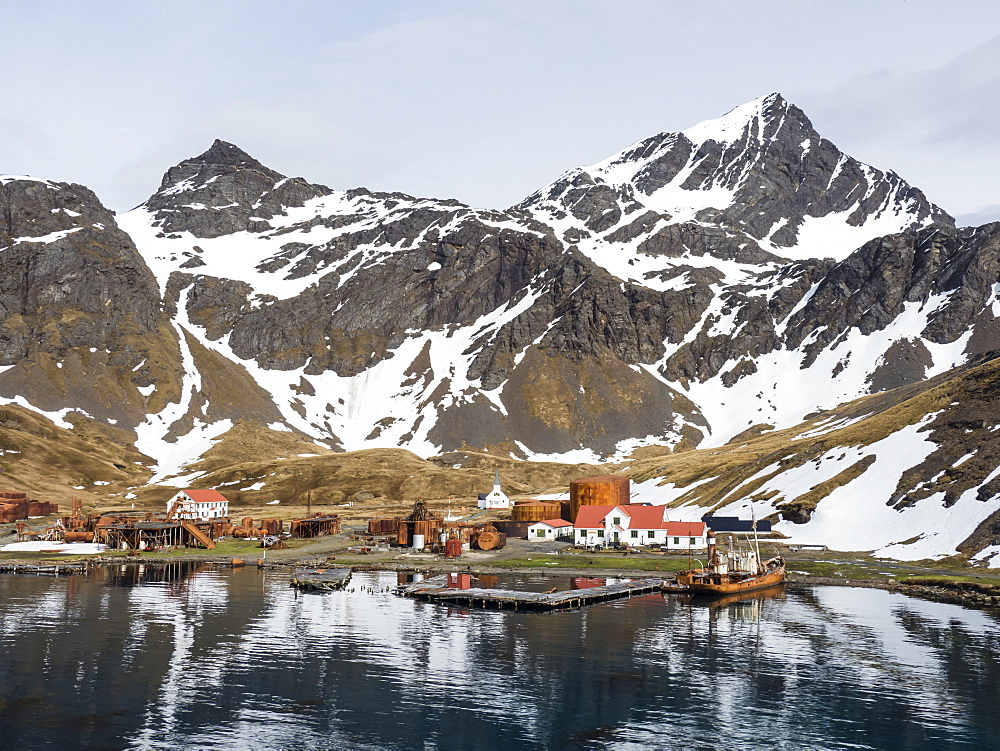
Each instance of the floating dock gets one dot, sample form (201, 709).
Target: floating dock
(437, 589)
(322, 579)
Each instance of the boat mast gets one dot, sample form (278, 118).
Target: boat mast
(756, 541)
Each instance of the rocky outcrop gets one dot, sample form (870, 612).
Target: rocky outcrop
(751, 178)
(608, 310)
(224, 190)
(81, 325)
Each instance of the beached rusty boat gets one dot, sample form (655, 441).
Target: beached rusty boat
(321, 579)
(733, 571)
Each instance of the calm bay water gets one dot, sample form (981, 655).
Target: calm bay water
(218, 659)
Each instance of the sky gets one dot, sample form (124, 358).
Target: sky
(488, 100)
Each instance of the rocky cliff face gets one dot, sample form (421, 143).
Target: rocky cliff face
(82, 325)
(713, 288)
(689, 288)
(608, 310)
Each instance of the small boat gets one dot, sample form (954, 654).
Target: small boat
(729, 573)
(733, 571)
(322, 579)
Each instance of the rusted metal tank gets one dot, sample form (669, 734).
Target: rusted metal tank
(452, 548)
(272, 526)
(602, 490)
(383, 526)
(78, 537)
(534, 511)
(487, 538)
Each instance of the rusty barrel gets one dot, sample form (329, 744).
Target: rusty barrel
(487, 538)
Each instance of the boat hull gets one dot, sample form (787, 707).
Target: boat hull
(743, 585)
(709, 582)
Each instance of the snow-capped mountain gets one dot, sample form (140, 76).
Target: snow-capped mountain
(577, 324)
(730, 279)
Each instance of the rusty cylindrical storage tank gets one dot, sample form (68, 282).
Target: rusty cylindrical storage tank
(602, 490)
(487, 538)
(534, 511)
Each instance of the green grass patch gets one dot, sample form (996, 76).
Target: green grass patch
(594, 561)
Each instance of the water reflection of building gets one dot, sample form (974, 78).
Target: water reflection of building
(132, 574)
(225, 656)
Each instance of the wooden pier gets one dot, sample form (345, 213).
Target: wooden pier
(322, 579)
(437, 590)
(42, 569)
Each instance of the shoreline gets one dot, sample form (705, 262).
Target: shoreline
(926, 587)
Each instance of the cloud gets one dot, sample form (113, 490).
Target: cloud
(483, 100)
(936, 126)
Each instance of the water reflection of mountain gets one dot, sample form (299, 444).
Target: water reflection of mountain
(227, 659)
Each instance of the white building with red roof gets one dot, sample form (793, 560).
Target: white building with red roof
(550, 529)
(637, 525)
(198, 504)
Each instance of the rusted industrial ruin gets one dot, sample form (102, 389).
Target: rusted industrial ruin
(422, 529)
(126, 532)
(316, 525)
(145, 530)
(15, 506)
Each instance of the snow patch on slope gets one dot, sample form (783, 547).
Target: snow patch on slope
(855, 517)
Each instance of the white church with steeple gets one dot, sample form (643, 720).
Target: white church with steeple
(496, 498)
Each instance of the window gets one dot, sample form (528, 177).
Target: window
(677, 541)
(600, 533)
(694, 540)
(635, 533)
(616, 520)
(540, 532)
(583, 533)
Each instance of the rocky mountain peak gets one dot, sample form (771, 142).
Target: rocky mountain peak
(224, 190)
(221, 158)
(760, 173)
(229, 154)
(763, 117)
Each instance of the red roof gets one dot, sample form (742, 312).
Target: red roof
(639, 517)
(685, 529)
(206, 496)
(644, 517)
(555, 523)
(592, 517)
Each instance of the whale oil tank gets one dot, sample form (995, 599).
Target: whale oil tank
(534, 511)
(602, 490)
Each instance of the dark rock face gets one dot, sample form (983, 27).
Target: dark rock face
(223, 191)
(562, 345)
(80, 313)
(770, 169)
(397, 265)
(63, 254)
